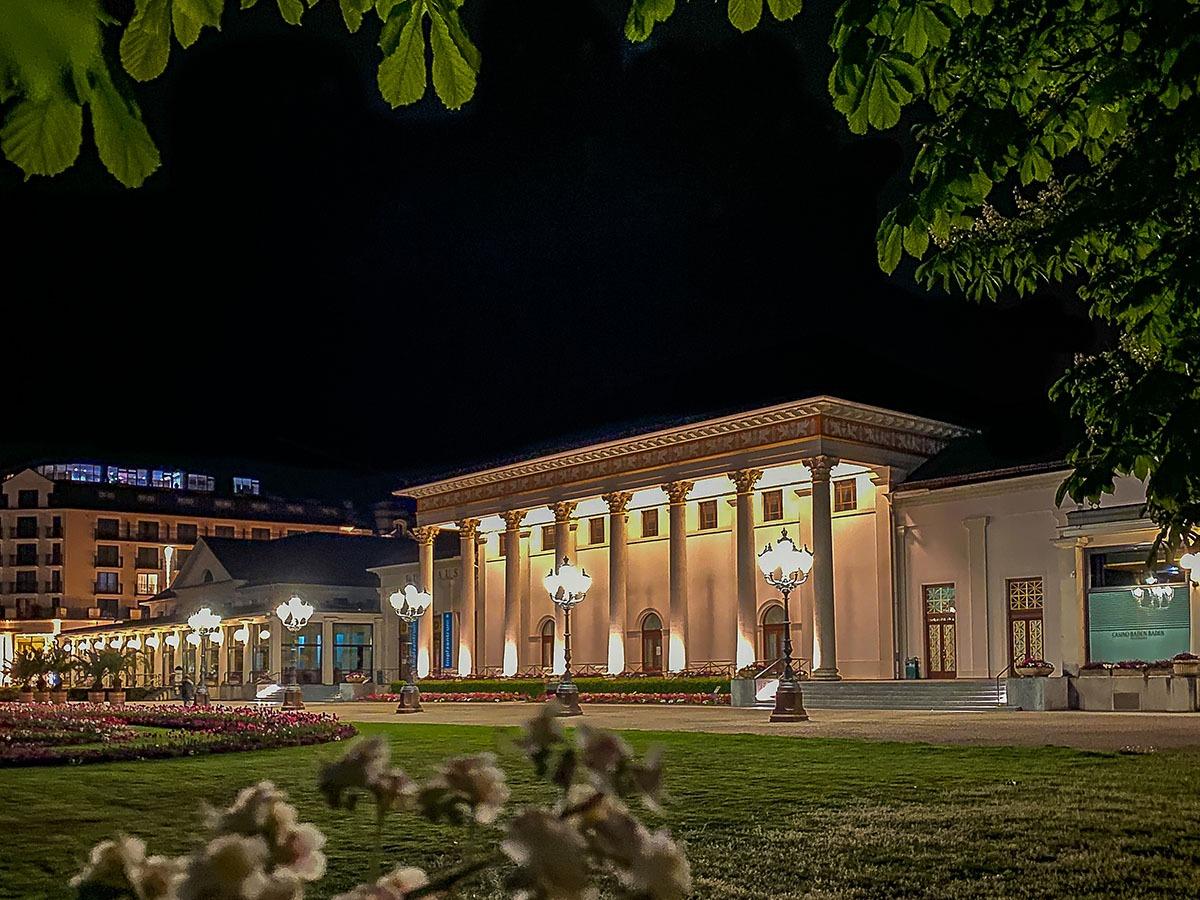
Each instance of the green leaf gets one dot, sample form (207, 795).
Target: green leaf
(453, 76)
(146, 43)
(352, 12)
(43, 136)
(402, 73)
(784, 9)
(125, 146)
(644, 15)
(916, 240)
(187, 29)
(745, 14)
(460, 37)
(890, 243)
(206, 12)
(291, 10)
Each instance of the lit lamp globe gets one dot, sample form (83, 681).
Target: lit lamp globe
(567, 589)
(294, 616)
(785, 567)
(410, 604)
(1191, 562)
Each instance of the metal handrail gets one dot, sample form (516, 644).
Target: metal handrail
(1000, 675)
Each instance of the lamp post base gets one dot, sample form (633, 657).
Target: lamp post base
(201, 698)
(293, 698)
(567, 695)
(789, 704)
(410, 699)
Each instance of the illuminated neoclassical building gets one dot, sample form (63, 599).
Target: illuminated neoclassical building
(965, 572)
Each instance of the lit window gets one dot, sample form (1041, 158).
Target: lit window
(201, 483)
(138, 477)
(845, 495)
(260, 534)
(708, 514)
(549, 538)
(147, 584)
(162, 478)
(772, 506)
(245, 485)
(596, 530)
(650, 522)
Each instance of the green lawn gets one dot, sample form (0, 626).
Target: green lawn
(761, 816)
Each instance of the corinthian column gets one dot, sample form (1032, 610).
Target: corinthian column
(677, 618)
(563, 510)
(824, 628)
(425, 535)
(618, 576)
(512, 588)
(747, 567)
(468, 531)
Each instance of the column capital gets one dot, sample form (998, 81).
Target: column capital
(745, 479)
(468, 528)
(677, 491)
(563, 510)
(425, 534)
(512, 519)
(820, 466)
(617, 501)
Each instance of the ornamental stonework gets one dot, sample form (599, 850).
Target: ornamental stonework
(880, 436)
(618, 501)
(512, 519)
(745, 479)
(677, 491)
(425, 534)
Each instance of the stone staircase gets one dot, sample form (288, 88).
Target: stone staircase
(951, 695)
(272, 695)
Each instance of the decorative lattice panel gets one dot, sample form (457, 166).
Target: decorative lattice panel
(1025, 593)
(939, 598)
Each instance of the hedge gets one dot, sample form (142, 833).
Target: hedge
(536, 687)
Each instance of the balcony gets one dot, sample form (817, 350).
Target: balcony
(15, 559)
(108, 562)
(151, 564)
(99, 588)
(24, 588)
(131, 533)
(53, 531)
(51, 587)
(53, 559)
(25, 534)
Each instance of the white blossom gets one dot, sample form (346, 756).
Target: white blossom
(551, 853)
(396, 885)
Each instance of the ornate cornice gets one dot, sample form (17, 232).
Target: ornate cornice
(677, 491)
(820, 466)
(617, 501)
(745, 479)
(785, 423)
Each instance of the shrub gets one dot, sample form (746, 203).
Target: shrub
(534, 688)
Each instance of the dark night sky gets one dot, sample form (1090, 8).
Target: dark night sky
(606, 235)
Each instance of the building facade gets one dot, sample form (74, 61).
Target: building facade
(965, 574)
(82, 544)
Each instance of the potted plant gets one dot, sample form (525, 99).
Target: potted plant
(1130, 667)
(24, 669)
(1095, 668)
(1186, 664)
(100, 664)
(122, 662)
(1032, 667)
(1159, 667)
(58, 662)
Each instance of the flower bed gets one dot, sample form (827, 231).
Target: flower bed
(36, 734)
(697, 699)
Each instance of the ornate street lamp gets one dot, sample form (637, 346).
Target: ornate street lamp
(785, 568)
(567, 587)
(205, 625)
(294, 615)
(1149, 594)
(410, 605)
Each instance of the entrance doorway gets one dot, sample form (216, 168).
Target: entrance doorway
(941, 657)
(773, 632)
(652, 643)
(1026, 601)
(548, 644)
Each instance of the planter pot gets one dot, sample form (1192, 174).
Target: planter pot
(1161, 672)
(116, 698)
(1186, 667)
(25, 696)
(1093, 673)
(58, 698)
(41, 696)
(96, 697)
(1033, 671)
(1127, 673)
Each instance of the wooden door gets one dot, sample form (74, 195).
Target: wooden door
(1026, 603)
(773, 631)
(941, 653)
(652, 644)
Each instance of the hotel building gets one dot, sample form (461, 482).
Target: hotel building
(82, 544)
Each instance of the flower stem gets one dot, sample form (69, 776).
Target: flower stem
(450, 879)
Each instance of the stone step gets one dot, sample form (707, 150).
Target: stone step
(960, 695)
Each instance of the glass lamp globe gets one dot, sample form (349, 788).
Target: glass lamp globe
(152, 642)
(134, 643)
(242, 634)
(115, 643)
(295, 613)
(217, 638)
(410, 601)
(264, 634)
(193, 639)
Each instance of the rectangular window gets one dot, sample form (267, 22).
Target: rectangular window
(501, 546)
(186, 533)
(108, 555)
(147, 531)
(650, 522)
(201, 483)
(549, 538)
(223, 531)
(136, 477)
(845, 495)
(708, 514)
(596, 530)
(27, 499)
(245, 485)
(352, 651)
(181, 558)
(147, 558)
(772, 506)
(260, 534)
(109, 529)
(26, 554)
(26, 583)
(27, 527)
(306, 644)
(1133, 612)
(294, 532)
(107, 583)
(147, 584)
(162, 478)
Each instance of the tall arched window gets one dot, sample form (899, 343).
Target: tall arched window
(772, 633)
(548, 644)
(652, 643)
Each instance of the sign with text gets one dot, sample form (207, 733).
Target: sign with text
(447, 640)
(1119, 629)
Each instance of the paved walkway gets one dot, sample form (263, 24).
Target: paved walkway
(1089, 731)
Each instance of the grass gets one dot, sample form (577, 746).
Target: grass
(761, 816)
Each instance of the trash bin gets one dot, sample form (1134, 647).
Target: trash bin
(912, 667)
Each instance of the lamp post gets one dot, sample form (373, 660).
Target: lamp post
(567, 587)
(785, 568)
(204, 624)
(410, 605)
(294, 615)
